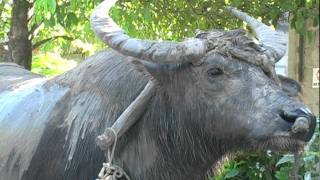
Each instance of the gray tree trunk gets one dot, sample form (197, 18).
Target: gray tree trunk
(19, 44)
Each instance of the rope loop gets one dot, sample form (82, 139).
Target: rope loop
(111, 153)
(109, 170)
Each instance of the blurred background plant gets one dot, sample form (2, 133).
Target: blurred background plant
(51, 64)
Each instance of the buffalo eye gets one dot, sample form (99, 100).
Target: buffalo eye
(214, 72)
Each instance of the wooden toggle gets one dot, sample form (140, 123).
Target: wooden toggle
(127, 118)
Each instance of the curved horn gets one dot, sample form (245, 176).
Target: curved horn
(275, 41)
(158, 52)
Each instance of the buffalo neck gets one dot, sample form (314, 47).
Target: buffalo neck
(168, 142)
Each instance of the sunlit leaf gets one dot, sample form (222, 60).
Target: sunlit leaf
(286, 158)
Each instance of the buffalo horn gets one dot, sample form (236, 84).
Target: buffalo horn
(157, 52)
(275, 42)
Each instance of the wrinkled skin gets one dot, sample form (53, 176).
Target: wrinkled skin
(238, 100)
(246, 90)
(252, 101)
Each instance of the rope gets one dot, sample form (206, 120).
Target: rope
(111, 154)
(110, 171)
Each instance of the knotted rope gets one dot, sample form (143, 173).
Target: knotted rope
(110, 136)
(109, 170)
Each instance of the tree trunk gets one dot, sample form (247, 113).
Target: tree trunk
(303, 61)
(4, 54)
(19, 44)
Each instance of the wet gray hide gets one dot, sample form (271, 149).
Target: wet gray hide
(48, 126)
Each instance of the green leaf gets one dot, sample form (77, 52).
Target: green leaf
(286, 158)
(51, 4)
(146, 14)
(283, 174)
(71, 20)
(232, 173)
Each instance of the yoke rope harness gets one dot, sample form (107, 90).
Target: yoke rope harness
(110, 171)
(110, 136)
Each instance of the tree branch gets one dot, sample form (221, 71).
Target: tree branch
(30, 7)
(4, 43)
(30, 18)
(33, 29)
(39, 43)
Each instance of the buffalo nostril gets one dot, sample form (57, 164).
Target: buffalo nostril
(289, 116)
(300, 125)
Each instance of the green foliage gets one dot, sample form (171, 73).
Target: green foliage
(50, 64)
(175, 20)
(250, 165)
(63, 21)
(5, 11)
(233, 173)
(66, 19)
(283, 173)
(271, 165)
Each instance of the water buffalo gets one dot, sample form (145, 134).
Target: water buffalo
(215, 94)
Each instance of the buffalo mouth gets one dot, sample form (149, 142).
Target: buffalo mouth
(284, 139)
(280, 142)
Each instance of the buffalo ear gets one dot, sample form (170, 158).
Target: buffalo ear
(153, 71)
(291, 87)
